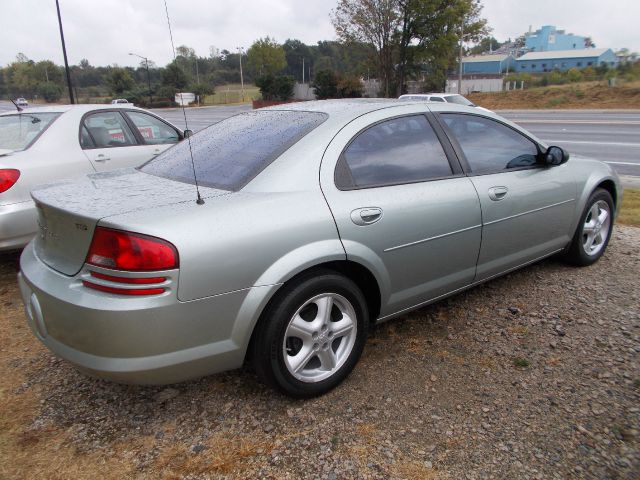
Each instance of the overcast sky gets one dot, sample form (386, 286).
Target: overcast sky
(105, 32)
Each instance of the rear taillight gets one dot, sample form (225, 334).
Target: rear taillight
(121, 251)
(8, 178)
(132, 252)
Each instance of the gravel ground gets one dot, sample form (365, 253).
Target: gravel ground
(534, 375)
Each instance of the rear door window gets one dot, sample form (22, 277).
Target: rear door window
(400, 150)
(153, 130)
(229, 154)
(107, 129)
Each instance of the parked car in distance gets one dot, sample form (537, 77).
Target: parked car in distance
(442, 98)
(22, 102)
(44, 144)
(317, 219)
(118, 101)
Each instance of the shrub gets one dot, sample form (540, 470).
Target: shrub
(589, 73)
(574, 75)
(50, 92)
(276, 87)
(325, 84)
(556, 78)
(350, 87)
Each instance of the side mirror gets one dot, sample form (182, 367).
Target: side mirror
(556, 156)
(187, 133)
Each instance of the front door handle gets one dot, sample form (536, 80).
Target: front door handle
(366, 216)
(498, 193)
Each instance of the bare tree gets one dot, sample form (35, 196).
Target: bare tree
(370, 21)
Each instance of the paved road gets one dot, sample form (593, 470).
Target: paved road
(611, 136)
(199, 118)
(6, 106)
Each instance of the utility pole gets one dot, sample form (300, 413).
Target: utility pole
(302, 69)
(146, 62)
(241, 77)
(197, 80)
(460, 57)
(64, 54)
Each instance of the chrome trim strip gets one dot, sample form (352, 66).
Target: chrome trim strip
(466, 287)
(390, 249)
(528, 212)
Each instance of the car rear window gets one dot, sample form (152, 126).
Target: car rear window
(229, 154)
(19, 131)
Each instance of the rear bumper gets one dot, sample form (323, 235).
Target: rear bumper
(17, 225)
(141, 340)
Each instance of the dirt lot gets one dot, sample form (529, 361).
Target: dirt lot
(535, 375)
(574, 96)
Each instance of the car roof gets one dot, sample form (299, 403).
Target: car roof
(85, 107)
(340, 109)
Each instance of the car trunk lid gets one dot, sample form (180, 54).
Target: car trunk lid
(68, 211)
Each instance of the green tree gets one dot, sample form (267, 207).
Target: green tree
(408, 34)
(119, 80)
(325, 84)
(275, 87)
(174, 76)
(297, 54)
(266, 57)
(50, 92)
(432, 31)
(486, 44)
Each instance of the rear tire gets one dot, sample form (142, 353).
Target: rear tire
(312, 335)
(594, 230)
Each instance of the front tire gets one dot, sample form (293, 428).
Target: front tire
(312, 335)
(594, 230)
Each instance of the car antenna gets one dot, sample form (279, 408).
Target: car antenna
(16, 105)
(199, 200)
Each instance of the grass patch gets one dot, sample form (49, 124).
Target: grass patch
(520, 362)
(556, 102)
(588, 94)
(630, 208)
(231, 94)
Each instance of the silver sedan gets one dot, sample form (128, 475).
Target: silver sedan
(280, 234)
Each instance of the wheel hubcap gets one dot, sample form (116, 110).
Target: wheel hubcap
(319, 337)
(596, 228)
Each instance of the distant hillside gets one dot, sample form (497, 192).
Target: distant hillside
(576, 95)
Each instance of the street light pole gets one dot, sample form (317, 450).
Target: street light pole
(64, 54)
(146, 62)
(241, 77)
(460, 57)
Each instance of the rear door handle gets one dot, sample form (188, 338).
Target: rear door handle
(366, 216)
(498, 193)
(102, 158)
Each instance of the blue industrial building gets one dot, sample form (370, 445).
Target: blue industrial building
(487, 64)
(548, 38)
(538, 62)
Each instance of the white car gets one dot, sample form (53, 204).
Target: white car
(22, 102)
(50, 143)
(442, 97)
(120, 101)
